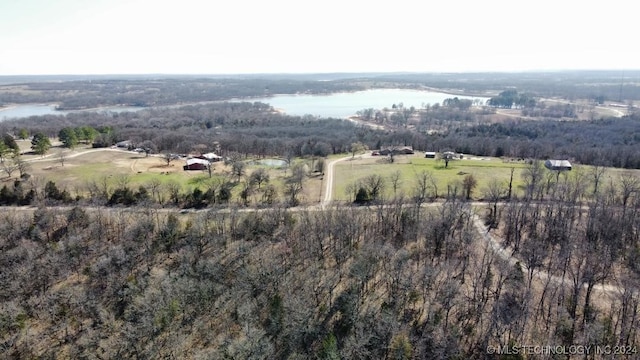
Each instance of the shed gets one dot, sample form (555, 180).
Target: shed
(124, 144)
(560, 165)
(430, 154)
(196, 164)
(212, 157)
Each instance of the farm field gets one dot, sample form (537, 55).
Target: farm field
(484, 169)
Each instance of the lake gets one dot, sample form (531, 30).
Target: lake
(26, 110)
(338, 105)
(342, 105)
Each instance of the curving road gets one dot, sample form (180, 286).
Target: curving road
(543, 275)
(328, 187)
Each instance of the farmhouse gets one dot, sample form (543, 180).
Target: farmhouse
(560, 165)
(196, 164)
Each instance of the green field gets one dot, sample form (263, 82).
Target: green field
(484, 169)
(410, 166)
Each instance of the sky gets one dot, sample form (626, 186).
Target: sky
(312, 36)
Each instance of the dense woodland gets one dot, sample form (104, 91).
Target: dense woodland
(83, 94)
(385, 282)
(621, 85)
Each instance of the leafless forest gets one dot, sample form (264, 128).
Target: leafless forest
(391, 281)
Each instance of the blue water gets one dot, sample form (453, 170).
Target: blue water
(342, 105)
(272, 162)
(21, 111)
(24, 111)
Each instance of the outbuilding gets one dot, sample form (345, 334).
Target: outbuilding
(125, 144)
(430, 154)
(196, 164)
(558, 165)
(212, 157)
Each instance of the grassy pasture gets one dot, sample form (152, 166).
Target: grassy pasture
(410, 166)
(484, 169)
(85, 165)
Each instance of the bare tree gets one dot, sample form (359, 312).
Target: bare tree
(22, 165)
(396, 181)
(238, 169)
(469, 183)
(168, 157)
(510, 192)
(298, 174)
(629, 185)
(292, 190)
(174, 191)
(122, 181)
(421, 190)
(351, 189)
(246, 192)
(532, 176)
(493, 192)
(9, 166)
(259, 176)
(597, 172)
(62, 156)
(155, 187)
(375, 186)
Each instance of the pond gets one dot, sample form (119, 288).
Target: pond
(271, 162)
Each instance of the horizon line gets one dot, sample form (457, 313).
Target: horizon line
(327, 73)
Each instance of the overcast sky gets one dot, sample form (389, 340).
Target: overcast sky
(294, 36)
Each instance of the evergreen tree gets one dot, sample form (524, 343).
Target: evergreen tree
(68, 137)
(40, 143)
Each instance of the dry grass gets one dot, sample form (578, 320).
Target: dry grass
(84, 165)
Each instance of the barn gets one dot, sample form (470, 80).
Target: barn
(558, 165)
(196, 164)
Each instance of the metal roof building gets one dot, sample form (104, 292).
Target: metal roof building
(557, 164)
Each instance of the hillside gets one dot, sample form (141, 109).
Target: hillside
(381, 282)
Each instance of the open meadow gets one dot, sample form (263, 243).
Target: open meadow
(484, 169)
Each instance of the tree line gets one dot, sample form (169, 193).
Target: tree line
(86, 94)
